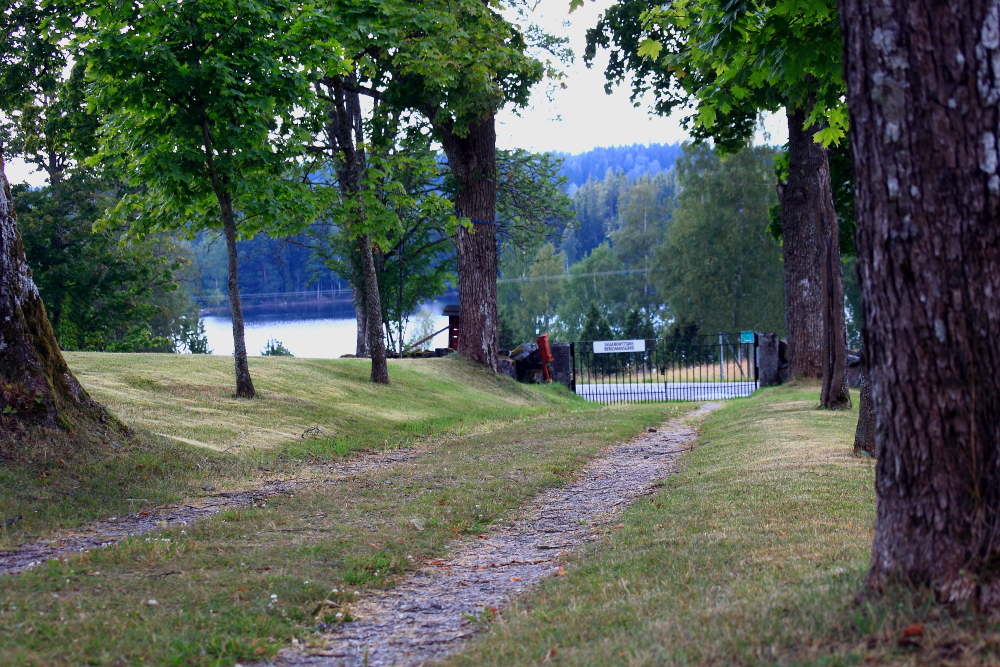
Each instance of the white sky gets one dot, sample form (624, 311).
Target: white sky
(582, 117)
(578, 119)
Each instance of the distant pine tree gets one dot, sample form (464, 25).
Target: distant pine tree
(634, 161)
(595, 326)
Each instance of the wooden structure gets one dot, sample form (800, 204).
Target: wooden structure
(451, 311)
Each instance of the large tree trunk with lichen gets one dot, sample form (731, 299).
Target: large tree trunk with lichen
(801, 254)
(923, 83)
(472, 158)
(37, 389)
(814, 281)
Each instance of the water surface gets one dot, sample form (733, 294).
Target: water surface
(305, 334)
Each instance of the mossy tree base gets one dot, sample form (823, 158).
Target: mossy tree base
(40, 399)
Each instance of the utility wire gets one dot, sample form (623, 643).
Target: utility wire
(563, 276)
(337, 292)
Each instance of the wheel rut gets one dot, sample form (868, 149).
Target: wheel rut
(433, 610)
(65, 543)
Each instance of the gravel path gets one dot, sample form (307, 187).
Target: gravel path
(109, 531)
(426, 616)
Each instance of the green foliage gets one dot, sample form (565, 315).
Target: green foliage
(55, 129)
(30, 64)
(595, 203)
(275, 348)
(631, 218)
(719, 268)
(102, 291)
(530, 306)
(532, 206)
(471, 64)
(413, 253)
(198, 111)
(423, 326)
(638, 325)
(595, 325)
(732, 60)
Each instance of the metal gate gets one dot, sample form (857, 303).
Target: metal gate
(679, 368)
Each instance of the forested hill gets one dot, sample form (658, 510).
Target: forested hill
(635, 160)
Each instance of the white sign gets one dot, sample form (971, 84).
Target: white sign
(608, 346)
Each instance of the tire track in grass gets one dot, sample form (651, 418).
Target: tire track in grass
(65, 543)
(433, 610)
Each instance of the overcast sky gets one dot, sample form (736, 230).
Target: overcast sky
(582, 116)
(579, 117)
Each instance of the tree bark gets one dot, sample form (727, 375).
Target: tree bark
(361, 317)
(373, 314)
(244, 384)
(923, 84)
(814, 280)
(864, 435)
(472, 158)
(346, 136)
(801, 202)
(37, 388)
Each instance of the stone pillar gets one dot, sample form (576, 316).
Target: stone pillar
(562, 366)
(768, 362)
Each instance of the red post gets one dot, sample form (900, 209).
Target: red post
(545, 352)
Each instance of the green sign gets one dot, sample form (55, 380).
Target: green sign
(746, 336)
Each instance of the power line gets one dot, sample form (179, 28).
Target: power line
(273, 295)
(564, 276)
(317, 294)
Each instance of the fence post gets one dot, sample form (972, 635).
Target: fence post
(756, 370)
(722, 360)
(572, 356)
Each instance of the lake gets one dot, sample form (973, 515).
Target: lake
(308, 332)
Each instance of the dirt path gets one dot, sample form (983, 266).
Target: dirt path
(426, 616)
(109, 531)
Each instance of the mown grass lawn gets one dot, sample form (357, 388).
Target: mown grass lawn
(244, 583)
(753, 554)
(191, 432)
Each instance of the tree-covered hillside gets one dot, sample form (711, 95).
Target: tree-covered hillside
(635, 161)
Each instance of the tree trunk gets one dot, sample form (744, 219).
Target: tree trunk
(472, 158)
(864, 436)
(244, 385)
(362, 319)
(37, 389)
(345, 130)
(801, 202)
(373, 313)
(923, 85)
(814, 279)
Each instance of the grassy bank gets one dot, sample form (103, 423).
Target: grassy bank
(192, 435)
(752, 554)
(244, 583)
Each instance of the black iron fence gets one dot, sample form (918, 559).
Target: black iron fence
(690, 368)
